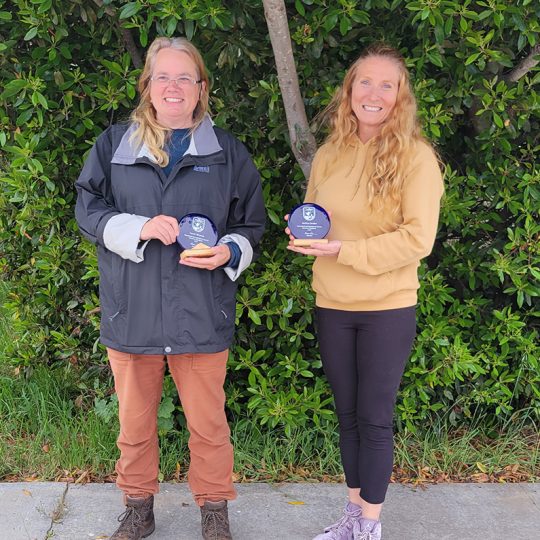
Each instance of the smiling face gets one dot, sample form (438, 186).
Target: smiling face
(174, 104)
(374, 94)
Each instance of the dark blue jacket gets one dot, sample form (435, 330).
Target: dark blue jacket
(150, 304)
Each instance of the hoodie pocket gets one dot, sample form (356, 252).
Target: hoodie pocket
(345, 285)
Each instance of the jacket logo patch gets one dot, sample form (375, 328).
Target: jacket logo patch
(202, 168)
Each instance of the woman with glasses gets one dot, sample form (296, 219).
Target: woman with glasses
(158, 309)
(380, 180)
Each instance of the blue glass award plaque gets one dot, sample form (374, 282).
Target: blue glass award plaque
(197, 235)
(309, 223)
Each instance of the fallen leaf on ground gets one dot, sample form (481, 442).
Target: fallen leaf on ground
(481, 467)
(32, 478)
(82, 477)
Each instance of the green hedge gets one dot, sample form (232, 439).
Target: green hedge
(66, 75)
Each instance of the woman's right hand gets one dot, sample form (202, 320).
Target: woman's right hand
(162, 228)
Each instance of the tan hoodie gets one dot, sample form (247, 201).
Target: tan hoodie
(377, 265)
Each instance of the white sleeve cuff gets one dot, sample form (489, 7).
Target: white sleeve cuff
(122, 236)
(245, 259)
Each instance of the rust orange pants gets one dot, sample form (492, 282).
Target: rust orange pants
(199, 378)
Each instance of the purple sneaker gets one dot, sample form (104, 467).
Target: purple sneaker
(342, 529)
(367, 529)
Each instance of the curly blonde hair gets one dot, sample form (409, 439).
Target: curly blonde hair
(390, 149)
(149, 131)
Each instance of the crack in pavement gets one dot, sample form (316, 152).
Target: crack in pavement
(58, 513)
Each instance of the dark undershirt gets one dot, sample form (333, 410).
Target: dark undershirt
(176, 148)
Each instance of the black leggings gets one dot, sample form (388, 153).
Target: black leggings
(364, 355)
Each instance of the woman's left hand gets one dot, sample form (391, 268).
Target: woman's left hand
(331, 249)
(220, 255)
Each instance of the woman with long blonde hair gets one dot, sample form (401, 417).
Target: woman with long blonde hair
(170, 171)
(380, 180)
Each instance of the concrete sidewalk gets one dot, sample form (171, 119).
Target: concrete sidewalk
(54, 511)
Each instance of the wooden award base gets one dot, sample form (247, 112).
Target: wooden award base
(306, 242)
(199, 250)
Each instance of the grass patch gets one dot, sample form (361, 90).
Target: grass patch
(311, 454)
(510, 453)
(45, 434)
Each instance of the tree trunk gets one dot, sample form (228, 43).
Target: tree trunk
(529, 62)
(302, 140)
(127, 37)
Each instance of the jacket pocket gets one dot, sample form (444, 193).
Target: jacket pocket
(225, 300)
(117, 280)
(108, 297)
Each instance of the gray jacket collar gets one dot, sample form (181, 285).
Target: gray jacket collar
(203, 143)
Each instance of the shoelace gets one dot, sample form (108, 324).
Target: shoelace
(130, 520)
(364, 535)
(344, 524)
(216, 521)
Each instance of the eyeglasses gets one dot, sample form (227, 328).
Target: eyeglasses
(184, 81)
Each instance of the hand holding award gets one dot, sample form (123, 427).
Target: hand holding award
(197, 235)
(309, 223)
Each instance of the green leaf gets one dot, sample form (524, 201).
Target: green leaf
(143, 36)
(114, 67)
(129, 10)
(472, 58)
(189, 28)
(42, 100)
(46, 5)
(130, 90)
(448, 25)
(65, 52)
(166, 407)
(172, 23)
(254, 316)
(13, 87)
(330, 21)
(31, 34)
(439, 34)
(344, 25)
(498, 120)
(273, 216)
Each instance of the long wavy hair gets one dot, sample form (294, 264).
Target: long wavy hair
(390, 149)
(149, 131)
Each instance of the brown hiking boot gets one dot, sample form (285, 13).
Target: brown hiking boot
(138, 519)
(215, 521)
